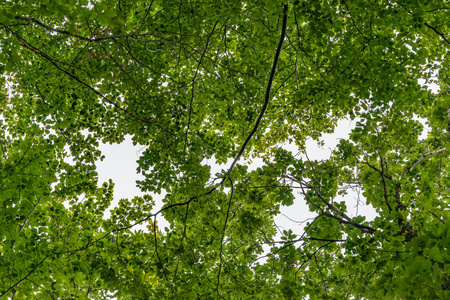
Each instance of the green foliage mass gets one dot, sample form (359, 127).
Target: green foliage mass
(226, 80)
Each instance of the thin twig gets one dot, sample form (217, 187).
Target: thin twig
(97, 39)
(223, 234)
(193, 84)
(29, 217)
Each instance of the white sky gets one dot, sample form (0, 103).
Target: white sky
(120, 165)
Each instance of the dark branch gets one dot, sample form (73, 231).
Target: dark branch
(437, 32)
(26, 276)
(269, 86)
(384, 184)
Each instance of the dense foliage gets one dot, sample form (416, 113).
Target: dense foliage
(224, 80)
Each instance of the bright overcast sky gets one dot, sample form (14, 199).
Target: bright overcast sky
(120, 165)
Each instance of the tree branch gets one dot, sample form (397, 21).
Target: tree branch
(29, 217)
(96, 39)
(269, 86)
(384, 184)
(193, 84)
(223, 234)
(52, 61)
(436, 216)
(422, 157)
(437, 32)
(26, 276)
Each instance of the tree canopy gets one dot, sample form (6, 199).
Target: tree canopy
(224, 81)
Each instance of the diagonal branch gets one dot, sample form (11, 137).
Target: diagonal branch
(443, 187)
(342, 218)
(438, 32)
(3, 150)
(353, 21)
(269, 86)
(422, 157)
(36, 265)
(52, 61)
(436, 216)
(159, 257)
(377, 170)
(213, 189)
(29, 217)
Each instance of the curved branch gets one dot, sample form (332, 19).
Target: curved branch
(266, 102)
